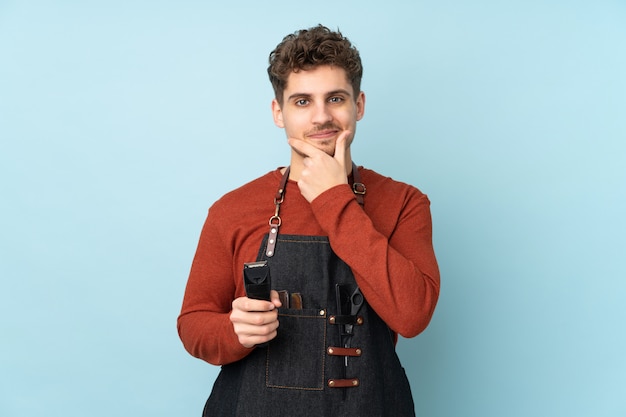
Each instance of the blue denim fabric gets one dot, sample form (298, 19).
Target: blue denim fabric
(289, 376)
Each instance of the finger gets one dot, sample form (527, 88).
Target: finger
(304, 148)
(249, 336)
(253, 318)
(258, 325)
(248, 304)
(275, 298)
(340, 147)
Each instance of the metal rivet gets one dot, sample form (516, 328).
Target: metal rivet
(358, 352)
(273, 230)
(330, 350)
(359, 320)
(331, 383)
(270, 253)
(332, 319)
(355, 382)
(322, 312)
(271, 240)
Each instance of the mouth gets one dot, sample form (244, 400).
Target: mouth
(325, 134)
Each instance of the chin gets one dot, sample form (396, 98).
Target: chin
(326, 146)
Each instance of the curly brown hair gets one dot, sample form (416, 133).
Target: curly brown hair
(309, 48)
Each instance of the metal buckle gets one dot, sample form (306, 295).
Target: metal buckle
(358, 188)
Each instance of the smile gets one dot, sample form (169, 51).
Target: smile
(324, 134)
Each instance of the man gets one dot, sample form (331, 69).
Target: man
(349, 253)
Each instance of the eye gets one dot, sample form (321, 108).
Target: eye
(335, 99)
(302, 102)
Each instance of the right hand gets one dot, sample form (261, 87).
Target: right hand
(255, 321)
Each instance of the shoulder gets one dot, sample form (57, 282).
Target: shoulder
(249, 195)
(390, 203)
(387, 188)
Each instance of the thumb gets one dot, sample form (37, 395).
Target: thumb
(340, 148)
(275, 299)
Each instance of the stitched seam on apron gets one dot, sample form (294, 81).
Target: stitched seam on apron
(323, 373)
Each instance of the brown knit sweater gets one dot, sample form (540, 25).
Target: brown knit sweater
(387, 243)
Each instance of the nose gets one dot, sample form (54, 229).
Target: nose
(321, 114)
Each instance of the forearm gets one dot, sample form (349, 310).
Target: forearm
(395, 268)
(209, 336)
(203, 325)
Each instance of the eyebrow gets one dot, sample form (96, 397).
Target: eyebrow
(329, 94)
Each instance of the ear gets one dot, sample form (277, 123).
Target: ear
(360, 105)
(278, 114)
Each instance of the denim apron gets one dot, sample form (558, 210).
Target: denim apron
(326, 360)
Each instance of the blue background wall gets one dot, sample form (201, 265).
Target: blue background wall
(121, 122)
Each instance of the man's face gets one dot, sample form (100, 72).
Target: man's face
(318, 105)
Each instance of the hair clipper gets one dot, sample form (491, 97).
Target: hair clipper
(257, 281)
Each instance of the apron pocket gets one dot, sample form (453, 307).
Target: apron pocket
(295, 358)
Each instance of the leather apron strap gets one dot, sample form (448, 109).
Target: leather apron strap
(358, 188)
